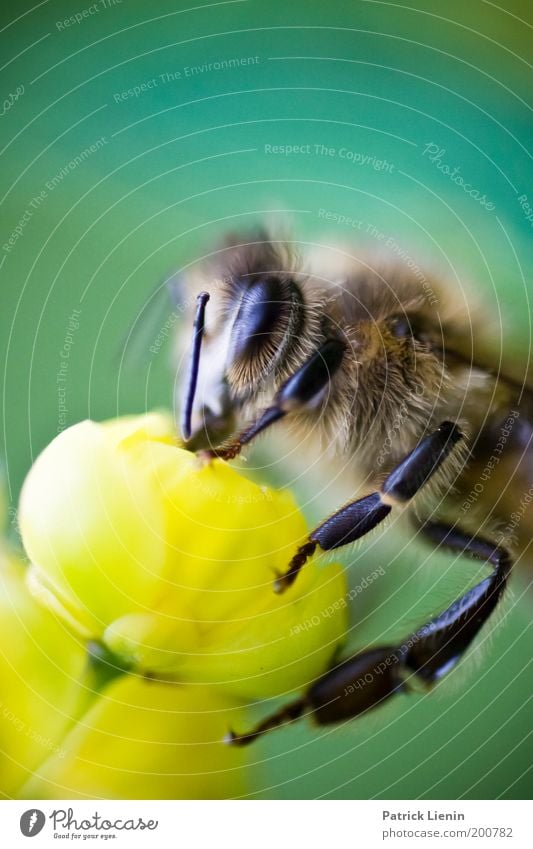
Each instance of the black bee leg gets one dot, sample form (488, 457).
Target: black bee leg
(289, 713)
(446, 637)
(366, 680)
(305, 389)
(359, 517)
(349, 689)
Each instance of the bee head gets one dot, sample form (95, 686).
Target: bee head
(241, 340)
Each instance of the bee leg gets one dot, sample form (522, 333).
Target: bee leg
(348, 689)
(368, 679)
(359, 517)
(450, 634)
(287, 714)
(304, 389)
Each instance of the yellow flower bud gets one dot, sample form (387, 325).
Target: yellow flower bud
(170, 562)
(144, 740)
(133, 739)
(41, 670)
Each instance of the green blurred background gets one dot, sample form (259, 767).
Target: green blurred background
(182, 162)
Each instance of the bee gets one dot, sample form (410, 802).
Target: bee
(377, 359)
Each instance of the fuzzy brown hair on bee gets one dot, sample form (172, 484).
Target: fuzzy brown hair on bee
(378, 360)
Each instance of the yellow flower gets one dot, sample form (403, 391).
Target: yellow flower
(170, 563)
(145, 562)
(41, 670)
(144, 740)
(64, 735)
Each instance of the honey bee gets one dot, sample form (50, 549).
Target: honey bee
(358, 350)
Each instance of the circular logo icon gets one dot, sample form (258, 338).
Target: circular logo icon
(32, 822)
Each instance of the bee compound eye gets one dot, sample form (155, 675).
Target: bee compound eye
(263, 312)
(401, 326)
(404, 326)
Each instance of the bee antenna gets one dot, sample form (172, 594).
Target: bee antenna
(194, 363)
